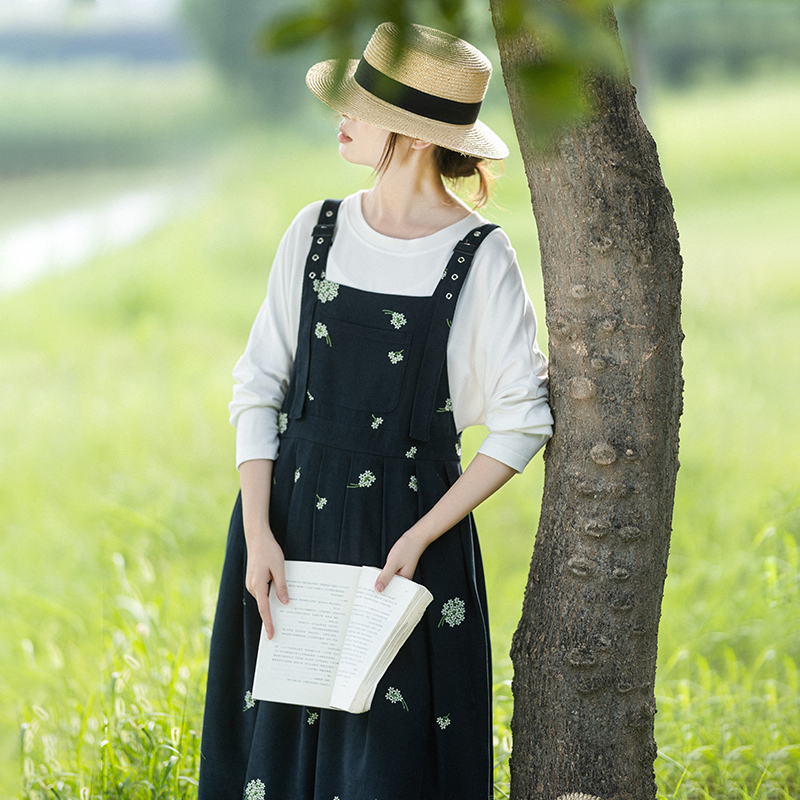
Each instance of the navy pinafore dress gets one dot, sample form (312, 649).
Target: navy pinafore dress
(368, 445)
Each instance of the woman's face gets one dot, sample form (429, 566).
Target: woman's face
(360, 142)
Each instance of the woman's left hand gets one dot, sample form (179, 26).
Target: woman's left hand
(402, 559)
(484, 476)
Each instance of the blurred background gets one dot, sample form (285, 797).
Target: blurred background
(150, 160)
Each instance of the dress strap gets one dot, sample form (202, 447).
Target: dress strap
(316, 264)
(445, 298)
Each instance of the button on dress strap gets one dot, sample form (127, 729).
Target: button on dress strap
(316, 263)
(445, 298)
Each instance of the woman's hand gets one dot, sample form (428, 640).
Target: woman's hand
(265, 564)
(484, 476)
(402, 559)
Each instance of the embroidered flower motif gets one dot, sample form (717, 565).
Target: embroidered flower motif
(326, 290)
(310, 396)
(449, 323)
(297, 475)
(365, 480)
(283, 422)
(255, 790)
(321, 332)
(376, 422)
(321, 502)
(313, 716)
(249, 701)
(395, 356)
(393, 696)
(443, 722)
(448, 406)
(444, 273)
(412, 452)
(453, 612)
(397, 319)
(412, 483)
(458, 449)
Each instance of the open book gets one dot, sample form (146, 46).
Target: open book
(336, 637)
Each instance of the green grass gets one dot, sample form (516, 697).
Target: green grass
(117, 469)
(86, 114)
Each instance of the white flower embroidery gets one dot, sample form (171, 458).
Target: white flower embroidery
(310, 396)
(255, 790)
(453, 612)
(313, 716)
(376, 422)
(249, 701)
(297, 475)
(443, 722)
(395, 356)
(321, 502)
(412, 452)
(393, 696)
(397, 319)
(412, 483)
(326, 290)
(321, 332)
(458, 449)
(365, 480)
(448, 406)
(283, 422)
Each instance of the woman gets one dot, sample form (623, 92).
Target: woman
(371, 353)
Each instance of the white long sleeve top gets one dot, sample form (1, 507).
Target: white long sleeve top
(497, 374)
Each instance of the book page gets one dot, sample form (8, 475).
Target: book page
(373, 619)
(299, 664)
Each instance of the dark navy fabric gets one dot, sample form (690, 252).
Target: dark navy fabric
(368, 445)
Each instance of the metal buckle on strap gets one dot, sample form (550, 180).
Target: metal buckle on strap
(323, 230)
(468, 248)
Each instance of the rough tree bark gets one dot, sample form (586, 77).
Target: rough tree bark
(585, 651)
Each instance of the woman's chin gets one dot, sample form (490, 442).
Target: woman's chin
(348, 155)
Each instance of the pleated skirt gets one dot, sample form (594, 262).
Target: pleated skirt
(427, 735)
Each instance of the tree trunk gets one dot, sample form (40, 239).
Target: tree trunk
(584, 653)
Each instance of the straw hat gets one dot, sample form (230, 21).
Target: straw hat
(431, 91)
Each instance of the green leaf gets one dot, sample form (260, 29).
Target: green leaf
(290, 31)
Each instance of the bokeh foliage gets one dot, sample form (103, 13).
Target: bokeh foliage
(264, 47)
(575, 38)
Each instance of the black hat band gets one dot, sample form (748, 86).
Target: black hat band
(409, 99)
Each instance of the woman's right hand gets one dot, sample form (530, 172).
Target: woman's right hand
(265, 562)
(265, 565)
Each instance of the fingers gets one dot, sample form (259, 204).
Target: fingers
(401, 560)
(266, 616)
(265, 567)
(386, 574)
(279, 582)
(278, 585)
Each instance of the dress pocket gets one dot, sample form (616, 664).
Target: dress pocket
(357, 367)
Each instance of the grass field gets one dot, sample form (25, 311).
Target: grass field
(80, 115)
(117, 469)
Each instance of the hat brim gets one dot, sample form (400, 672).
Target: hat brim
(347, 97)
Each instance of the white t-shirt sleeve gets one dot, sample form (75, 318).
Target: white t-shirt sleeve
(262, 373)
(498, 375)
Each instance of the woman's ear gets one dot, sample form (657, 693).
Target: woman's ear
(419, 144)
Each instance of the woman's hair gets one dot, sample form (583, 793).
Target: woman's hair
(451, 165)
